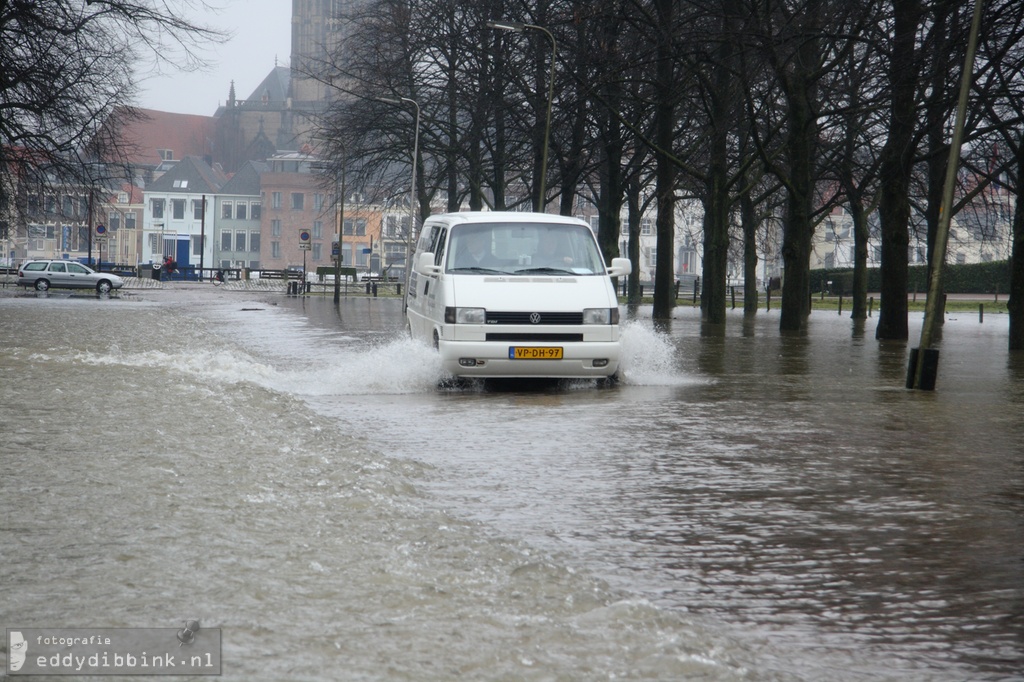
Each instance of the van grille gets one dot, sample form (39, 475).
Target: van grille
(550, 338)
(524, 318)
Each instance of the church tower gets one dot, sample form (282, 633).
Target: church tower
(316, 33)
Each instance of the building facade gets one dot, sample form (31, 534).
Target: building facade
(176, 221)
(237, 216)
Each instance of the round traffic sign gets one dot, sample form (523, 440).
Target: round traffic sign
(304, 236)
(101, 229)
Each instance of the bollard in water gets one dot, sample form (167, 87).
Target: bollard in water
(840, 305)
(871, 305)
(929, 369)
(981, 313)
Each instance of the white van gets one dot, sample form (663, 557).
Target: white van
(515, 295)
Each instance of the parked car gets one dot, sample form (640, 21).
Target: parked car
(65, 274)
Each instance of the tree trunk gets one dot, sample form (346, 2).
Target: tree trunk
(1015, 305)
(894, 173)
(799, 228)
(633, 225)
(861, 234)
(748, 218)
(717, 202)
(665, 170)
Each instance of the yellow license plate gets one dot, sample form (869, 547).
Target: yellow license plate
(535, 353)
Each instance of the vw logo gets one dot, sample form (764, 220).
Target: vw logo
(534, 318)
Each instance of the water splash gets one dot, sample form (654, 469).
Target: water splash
(649, 358)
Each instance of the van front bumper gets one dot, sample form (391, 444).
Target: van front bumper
(491, 359)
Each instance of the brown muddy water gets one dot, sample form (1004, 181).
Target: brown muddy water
(743, 506)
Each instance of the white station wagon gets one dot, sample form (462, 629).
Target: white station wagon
(65, 274)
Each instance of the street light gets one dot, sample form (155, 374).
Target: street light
(412, 192)
(518, 27)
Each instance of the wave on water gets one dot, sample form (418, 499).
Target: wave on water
(398, 366)
(392, 366)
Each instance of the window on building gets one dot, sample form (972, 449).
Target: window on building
(177, 209)
(225, 209)
(275, 200)
(225, 241)
(68, 207)
(180, 184)
(197, 246)
(646, 227)
(275, 228)
(241, 208)
(129, 220)
(157, 207)
(391, 226)
(255, 213)
(240, 238)
(318, 201)
(254, 242)
(297, 200)
(275, 249)
(360, 227)
(318, 229)
(197, 209)
(113, 221)
(122, 197)
(316, 250)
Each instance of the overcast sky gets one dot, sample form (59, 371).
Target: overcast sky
(261, 30)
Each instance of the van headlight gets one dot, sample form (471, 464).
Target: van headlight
(453, 315)
(600, 316)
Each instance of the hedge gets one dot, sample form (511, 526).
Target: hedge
(973, 278)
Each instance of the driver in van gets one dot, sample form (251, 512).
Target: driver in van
(475, 252)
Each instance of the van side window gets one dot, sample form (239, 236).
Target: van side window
(427, 239)
(442, 234)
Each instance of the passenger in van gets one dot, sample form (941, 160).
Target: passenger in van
(551, 252)
(474, 252)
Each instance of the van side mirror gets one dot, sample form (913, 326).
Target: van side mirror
(425, 265)
(620, 267)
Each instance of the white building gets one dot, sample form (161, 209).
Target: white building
(177, 221)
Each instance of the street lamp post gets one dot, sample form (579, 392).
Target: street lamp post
(339, 210)
(518, 27)
(412, 192)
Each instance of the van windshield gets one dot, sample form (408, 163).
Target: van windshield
(523, 249)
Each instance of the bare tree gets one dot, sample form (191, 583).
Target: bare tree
(67, 67)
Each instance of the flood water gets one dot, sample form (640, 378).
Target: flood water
(745, 505)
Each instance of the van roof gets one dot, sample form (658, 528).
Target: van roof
(502, 217)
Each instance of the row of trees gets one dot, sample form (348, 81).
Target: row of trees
(67, 68)
(760, 110)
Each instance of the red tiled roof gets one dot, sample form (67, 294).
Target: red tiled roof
(151, 131)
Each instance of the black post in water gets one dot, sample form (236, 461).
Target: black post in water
(929, 368)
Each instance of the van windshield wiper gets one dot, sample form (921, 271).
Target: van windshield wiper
(550, 271)
(488, 271)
